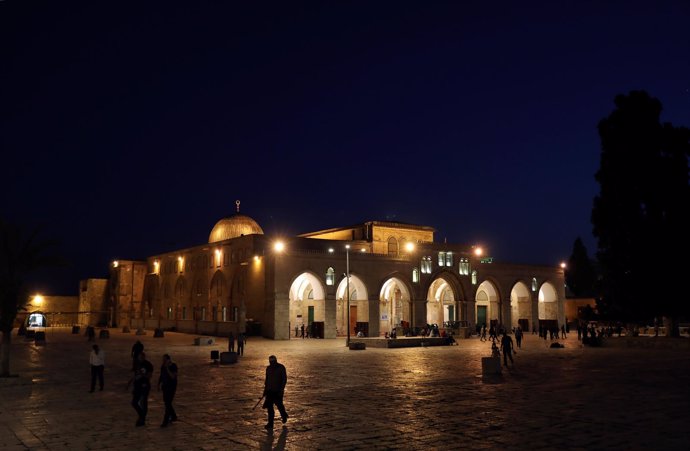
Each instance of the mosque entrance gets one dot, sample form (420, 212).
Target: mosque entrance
(481, 315)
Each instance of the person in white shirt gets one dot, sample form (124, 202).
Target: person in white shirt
(97, 361)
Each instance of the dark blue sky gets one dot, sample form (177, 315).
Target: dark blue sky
(130, 129)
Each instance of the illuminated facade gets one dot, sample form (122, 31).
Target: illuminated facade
(398, 278)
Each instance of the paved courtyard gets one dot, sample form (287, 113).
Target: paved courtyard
(410, 398)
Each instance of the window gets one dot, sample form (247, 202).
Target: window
(426, 265)
(330, 276)
(225, 313)
(184, 312)
(534, 284)
(392, 247)
(474, 277)
(464, 268)
(415, 275)
(235, 314)
(169, 313)
(441, 258)
(449, 259)
(150, 313)
(226, 258)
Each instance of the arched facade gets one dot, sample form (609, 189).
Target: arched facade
(487, 304)
(308, 304)
(395, 305)
(521, 306)
(442, 304)
(359, 306)
(548, 305)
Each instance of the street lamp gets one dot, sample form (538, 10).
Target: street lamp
(347, 287)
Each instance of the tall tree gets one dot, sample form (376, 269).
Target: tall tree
(580, 275)
(640, 216)
(21, 253)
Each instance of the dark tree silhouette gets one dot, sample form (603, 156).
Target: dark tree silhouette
(21, 252)
(580, 275)
(640, 216)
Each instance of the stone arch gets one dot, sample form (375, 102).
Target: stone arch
(395, 304)
(487, 303)
(307, 306)
(359, 304)
(521, 306)
(444, 299)
(548, 304)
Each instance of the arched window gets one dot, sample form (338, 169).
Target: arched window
(392, 247)
(534, 284)
(474, 277)
(330, 276)
(415, 275)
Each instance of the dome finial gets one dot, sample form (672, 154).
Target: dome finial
(237, 202)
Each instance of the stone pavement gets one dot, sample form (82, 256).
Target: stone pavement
(410, 398)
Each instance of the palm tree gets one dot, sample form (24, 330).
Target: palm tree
(21, 253)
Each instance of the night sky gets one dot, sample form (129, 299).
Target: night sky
(129, 129)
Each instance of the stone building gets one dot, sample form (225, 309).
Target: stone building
(399, 277)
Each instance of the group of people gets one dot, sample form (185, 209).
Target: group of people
(241, 341)
(142, 374)
(142, 371)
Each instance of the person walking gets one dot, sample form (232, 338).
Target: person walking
(167, 381)
(482, 337)
(241, 341)
(507, 349)
(274, 388)
(97, 361)
(142, 386)
(518, 337)
(137, 348)
(231, 342)
(302, 330)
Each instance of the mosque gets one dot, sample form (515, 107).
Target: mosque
(390, 274)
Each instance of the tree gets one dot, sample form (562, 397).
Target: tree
(21, 253)
(639, 216)
(580, 275)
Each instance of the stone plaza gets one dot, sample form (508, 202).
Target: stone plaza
(613, 397)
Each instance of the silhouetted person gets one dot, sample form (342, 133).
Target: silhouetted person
(142, 386)
(274, 387)
(241, 341)
(137, 349)
(97, 361)
(518, 337)
(302, 330)
(507, 349)
(231, 342)
(167, 381)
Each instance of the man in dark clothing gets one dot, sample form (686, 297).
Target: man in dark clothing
(168, 382)
(241, 341)
(507, 349)
(137, 349)
(274, 386)
(142, 386)
(518, 336)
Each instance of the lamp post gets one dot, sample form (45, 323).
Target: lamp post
(347, 274)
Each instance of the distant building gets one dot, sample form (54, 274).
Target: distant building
(399, 277)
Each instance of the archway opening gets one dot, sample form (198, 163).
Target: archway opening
(441, 304)
(359, 307)
(521, 307)
(548, 306)
(308, 305)
(486, 308)
(395, 306)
